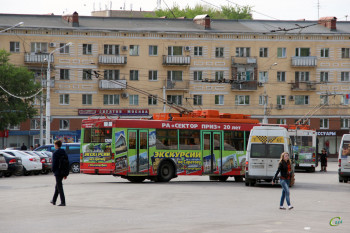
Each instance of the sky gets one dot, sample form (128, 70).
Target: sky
(262, 9)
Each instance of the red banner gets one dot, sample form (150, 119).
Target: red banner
(4, 134)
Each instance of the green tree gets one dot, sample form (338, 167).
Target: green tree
(18, 81)
(226, 12)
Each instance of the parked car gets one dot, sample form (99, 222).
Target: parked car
(31, 163)
(14, 164)
(72, 150)
(3, 165)
(44, 159)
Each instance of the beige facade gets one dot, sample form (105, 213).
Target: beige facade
(228, 70)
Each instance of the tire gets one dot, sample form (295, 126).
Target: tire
(165, 171)
(312, 169)
(246, 183)
(37, 172)
(45, 172)
(222, 178)
(75, 168)
(7, 174)
(340, 180)
(136, 179)
(238, 178)
(1, 174)
(26, 173)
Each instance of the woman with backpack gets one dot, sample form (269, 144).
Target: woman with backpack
(59, 168)
(284, 167)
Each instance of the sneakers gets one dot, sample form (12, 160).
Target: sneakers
(282, 208)
(290, 207)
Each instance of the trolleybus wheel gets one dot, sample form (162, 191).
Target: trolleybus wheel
(238, 178)
(222, 178)
(166, 172)
(136, 179)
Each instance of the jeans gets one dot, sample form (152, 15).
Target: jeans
(59, 190)
(285, 191)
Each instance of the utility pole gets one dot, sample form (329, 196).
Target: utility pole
(265, 121)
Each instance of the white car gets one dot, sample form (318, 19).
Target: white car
(3, 165)
(31, 163)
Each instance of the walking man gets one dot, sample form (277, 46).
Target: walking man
(58, 172)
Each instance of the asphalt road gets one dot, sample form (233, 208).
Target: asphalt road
(185, 204)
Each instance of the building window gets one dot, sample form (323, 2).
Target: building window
(64, 124)
(324, 123)
(38, 47)
(111, 74)
(324, 99)
(344, 123)
(197, 75)
(134, 75)
(111, 99)
(345, 53)
(324, 52)
(175, 50)
(87, 99)
(87, 74)
(281, 76)
(262, 100)
(344, 76)
(263, 52)
(242, 52)
(134, 50)
(64, 74)
(281, 121)
(174, 75)
(153, 75)
(242, 99)
(35, 124)
(110, 49)
(152, 100)
(281, 52)
(14, 47)
(64, 50)
(281, 99)
(174, 99)
(302, 52)
(344, 99)
(324, 77)
(13, 127)
(197, 100)
(133, 99)
(87, 49)
(64, 99)
(301, 100)
(219, 99)
(153, 50)
(302, 76)
(219, 75)
(198, 51)
(219, 52)
(263, 76)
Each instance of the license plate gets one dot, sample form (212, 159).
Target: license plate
(259, 166)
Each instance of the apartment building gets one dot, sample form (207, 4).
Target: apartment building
(281, 70)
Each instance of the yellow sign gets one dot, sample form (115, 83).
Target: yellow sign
(267, 139)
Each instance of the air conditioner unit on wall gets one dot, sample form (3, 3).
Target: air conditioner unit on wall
(52, 45)
(260, 84)
(279, 106)
(125, 95)
(125, 48)
(291, 98)
(187, 48)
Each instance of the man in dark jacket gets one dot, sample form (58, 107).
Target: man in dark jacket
(56, 171)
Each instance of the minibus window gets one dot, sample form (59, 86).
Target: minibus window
(345, 149)
(258, 151)
(275, 151)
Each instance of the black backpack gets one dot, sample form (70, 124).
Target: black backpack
(64, 165)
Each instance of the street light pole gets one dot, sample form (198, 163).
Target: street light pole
(48, 100)
(265, 98)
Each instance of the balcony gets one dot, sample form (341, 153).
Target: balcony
(44, 81)
(243, 61)
(303, 86)
(112, 60)
(304, 61)
(112, 85)
(176, 85)
(176, 60)
(37, 57)
(244, 86)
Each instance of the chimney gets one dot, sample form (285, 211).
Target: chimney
(203, 20)
(72, 19)
(328, 22)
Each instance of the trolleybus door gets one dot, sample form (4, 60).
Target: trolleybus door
(138, 151)
(211, 146)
